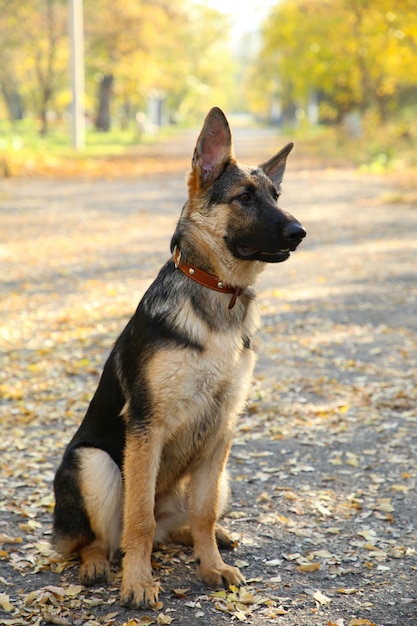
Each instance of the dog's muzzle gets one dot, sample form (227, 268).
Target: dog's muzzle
(262, 248)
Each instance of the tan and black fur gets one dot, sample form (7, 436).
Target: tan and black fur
(148, 462)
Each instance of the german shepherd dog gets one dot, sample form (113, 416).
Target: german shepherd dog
(148, 462)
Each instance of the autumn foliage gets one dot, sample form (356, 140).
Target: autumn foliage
(140, 48)
(343, 55)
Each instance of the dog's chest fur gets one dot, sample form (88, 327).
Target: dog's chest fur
(198, 389)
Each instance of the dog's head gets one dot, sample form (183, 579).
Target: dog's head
(235, 206)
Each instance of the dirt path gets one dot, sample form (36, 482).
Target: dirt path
(324, 464)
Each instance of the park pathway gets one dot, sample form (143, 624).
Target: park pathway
(324, 498)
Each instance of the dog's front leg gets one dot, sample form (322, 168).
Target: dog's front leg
(141, 463)
(205, 494)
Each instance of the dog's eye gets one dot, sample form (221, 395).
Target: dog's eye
(245, 196)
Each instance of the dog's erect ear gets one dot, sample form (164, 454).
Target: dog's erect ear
(274, 168)
(213, 148)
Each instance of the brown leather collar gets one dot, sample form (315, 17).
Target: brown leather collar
(205, 279)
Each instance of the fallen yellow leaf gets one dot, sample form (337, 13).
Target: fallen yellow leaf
(240, 616)
(73, 590)
(309, 567)
(384, 505)
(273, 611)
(399, 488)
(367, 533)
(290, 495)
(180, 593)
(144, 620)
(348, 591)
(352, 459)
(5, 602)
(321, 598)
(7, 539)
(245, 596)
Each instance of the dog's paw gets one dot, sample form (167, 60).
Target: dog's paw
(139, 595)
(222, 576)
(224, 540)
(94, 572)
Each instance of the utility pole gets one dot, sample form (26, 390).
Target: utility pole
(76, 32)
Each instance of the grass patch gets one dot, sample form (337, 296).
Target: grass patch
(23, 135)
(24, 152)
(377, 150)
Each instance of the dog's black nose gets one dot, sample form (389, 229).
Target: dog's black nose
(294, 233)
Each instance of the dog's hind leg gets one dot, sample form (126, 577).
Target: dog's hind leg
(172, 515)
(183, 536)
(102, 492)
(223, 538)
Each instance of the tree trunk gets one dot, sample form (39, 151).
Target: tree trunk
(103, 120)
(44, 123)
(12, 100)
(46, 96)
(382, 102)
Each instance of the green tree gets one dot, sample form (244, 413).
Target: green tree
(170, 47)
(33, 53)
(207, 74)
(132, 48)
(121, 38)
(353, 53)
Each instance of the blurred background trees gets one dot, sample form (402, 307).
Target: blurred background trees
(329, 58)
(33, 57)
(136, 52)
(158, 61)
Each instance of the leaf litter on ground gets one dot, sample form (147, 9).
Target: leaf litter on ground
(324, 474)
